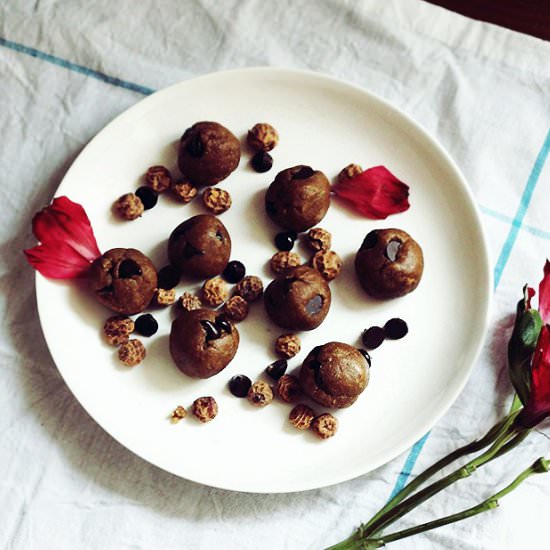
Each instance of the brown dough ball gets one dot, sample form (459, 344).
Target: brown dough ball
(298, 198)
(203, 342)
(389, 263)
(334, 375)
(299, 299)
(124, 280)
(208, 153)
(200, 246)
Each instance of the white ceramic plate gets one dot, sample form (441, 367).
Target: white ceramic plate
(325, 123)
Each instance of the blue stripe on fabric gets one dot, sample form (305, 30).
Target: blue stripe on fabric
(503, 258)
(75, 67)
(508, 219)
(409, 465)
(522, 210)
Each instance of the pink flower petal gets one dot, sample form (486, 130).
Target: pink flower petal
(66, 221)
(544, 294)
(57, 261)
(375, 193)
(67, 243)
(538, 406)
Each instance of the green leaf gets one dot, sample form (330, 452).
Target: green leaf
(521, 346)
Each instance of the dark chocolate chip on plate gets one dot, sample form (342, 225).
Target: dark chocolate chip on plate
(168, 277)
(239, 385)
(373, 337)
(396, 328)
(277, 369)
(262, 161)
(146, 325)
(234, 271)
(148, 197)
(285, 241)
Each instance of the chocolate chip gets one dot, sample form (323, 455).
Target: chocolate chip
(148, 197)
(189, 251)
(303, 173)
(314, 305)
(212, 332)
(146, 325)
(219, 236)
(262, 161)
(373, 337)
(194, 146)
(370, 240)
(168, 277)
(285, 241)
(223, 325)
(128, 269)
(392, 249)
(276, 369)
(395, 329)
(234, 272)
(366, 355)
(239, 385)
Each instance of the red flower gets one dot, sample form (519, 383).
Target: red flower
(544, 294)
(538, 405)
(376, 193)
(67, 243)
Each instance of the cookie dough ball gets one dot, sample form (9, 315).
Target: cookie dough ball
(203, 342)
(208, 153)
(124, 280)
(200, 246)
(334, 375)
(298, 198)
(389, 263)
(299, 299)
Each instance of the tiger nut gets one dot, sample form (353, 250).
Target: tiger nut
(178, 414)
(129, 206)
(214, 292)
(324, 425)
(205, 408)
(117, 329)
(132, 352)
(327, 263)
(158, 178)
(319, 239)
(262, 137)
(164, 297)
(236, 308)
(216, 200)
(350, 171)
(250, 288)
(260, 394)
(301, 416)
(189, 302)
(184, 191)
(288, 388)
(288, 345)
(283, 260)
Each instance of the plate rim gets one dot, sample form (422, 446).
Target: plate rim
(486, 281)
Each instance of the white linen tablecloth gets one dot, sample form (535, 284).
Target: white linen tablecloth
(68, 67)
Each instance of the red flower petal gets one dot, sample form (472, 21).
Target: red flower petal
(544, 294)
(67, 243)
(538, 406)
(528, 294)
(376, 193)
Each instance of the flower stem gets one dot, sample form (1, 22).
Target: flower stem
(538, 467)
(507, 433)
(472, 447)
